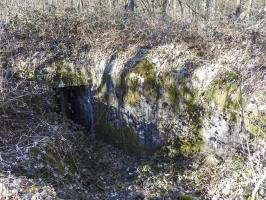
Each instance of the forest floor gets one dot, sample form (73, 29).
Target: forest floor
(102, 172)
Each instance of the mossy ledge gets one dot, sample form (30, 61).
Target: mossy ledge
(60, 70)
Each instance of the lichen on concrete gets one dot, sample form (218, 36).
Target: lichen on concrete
(183, 99)
(60, 70)
(25, 72)
(255, 125)
(225, 94)
(141, 80)
(132, 98)
(151, 87)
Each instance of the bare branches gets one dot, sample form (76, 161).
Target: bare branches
(176, 9)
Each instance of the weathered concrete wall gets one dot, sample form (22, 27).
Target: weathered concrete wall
(169, 94)
(146, 97)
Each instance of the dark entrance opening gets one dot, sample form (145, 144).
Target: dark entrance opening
(75, 103)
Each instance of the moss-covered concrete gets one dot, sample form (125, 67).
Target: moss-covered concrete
(53, 74)
(123, 137)
(224, 92)
(141, 80)
(68, 75)
(151, 86)
(26, 73)
(62, 71)
(184, 101)
(255, 125)
(132, 98)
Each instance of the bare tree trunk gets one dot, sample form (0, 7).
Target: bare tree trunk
(114, 4)
(174, 9)
(263, 7)
(145, 7)
(72, 4)
(207, 9)
(181, 7)
(153, 7)
(226, 7)
(131, 5)
(80, 5)
(164, 8)
(215, 7)
(249, 8)
(238, 8)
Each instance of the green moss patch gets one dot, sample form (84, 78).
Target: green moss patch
(151, 87)
(26, 73)
(185, 197)
(62, 71)
(185, 146)
(131, 95)
(180, 97)
(255, 125)
(102, 92)
(184, 101)
(179, 92)
(225, 93)
(55, 73)
(132, 98)
(200, 53)
(131, 85)
(191, 145)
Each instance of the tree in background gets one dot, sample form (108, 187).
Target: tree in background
(181, 8)
(173, 9)
(164, 8)
(249, 8)
(131, 5)
(207, 9)
(238, 8)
